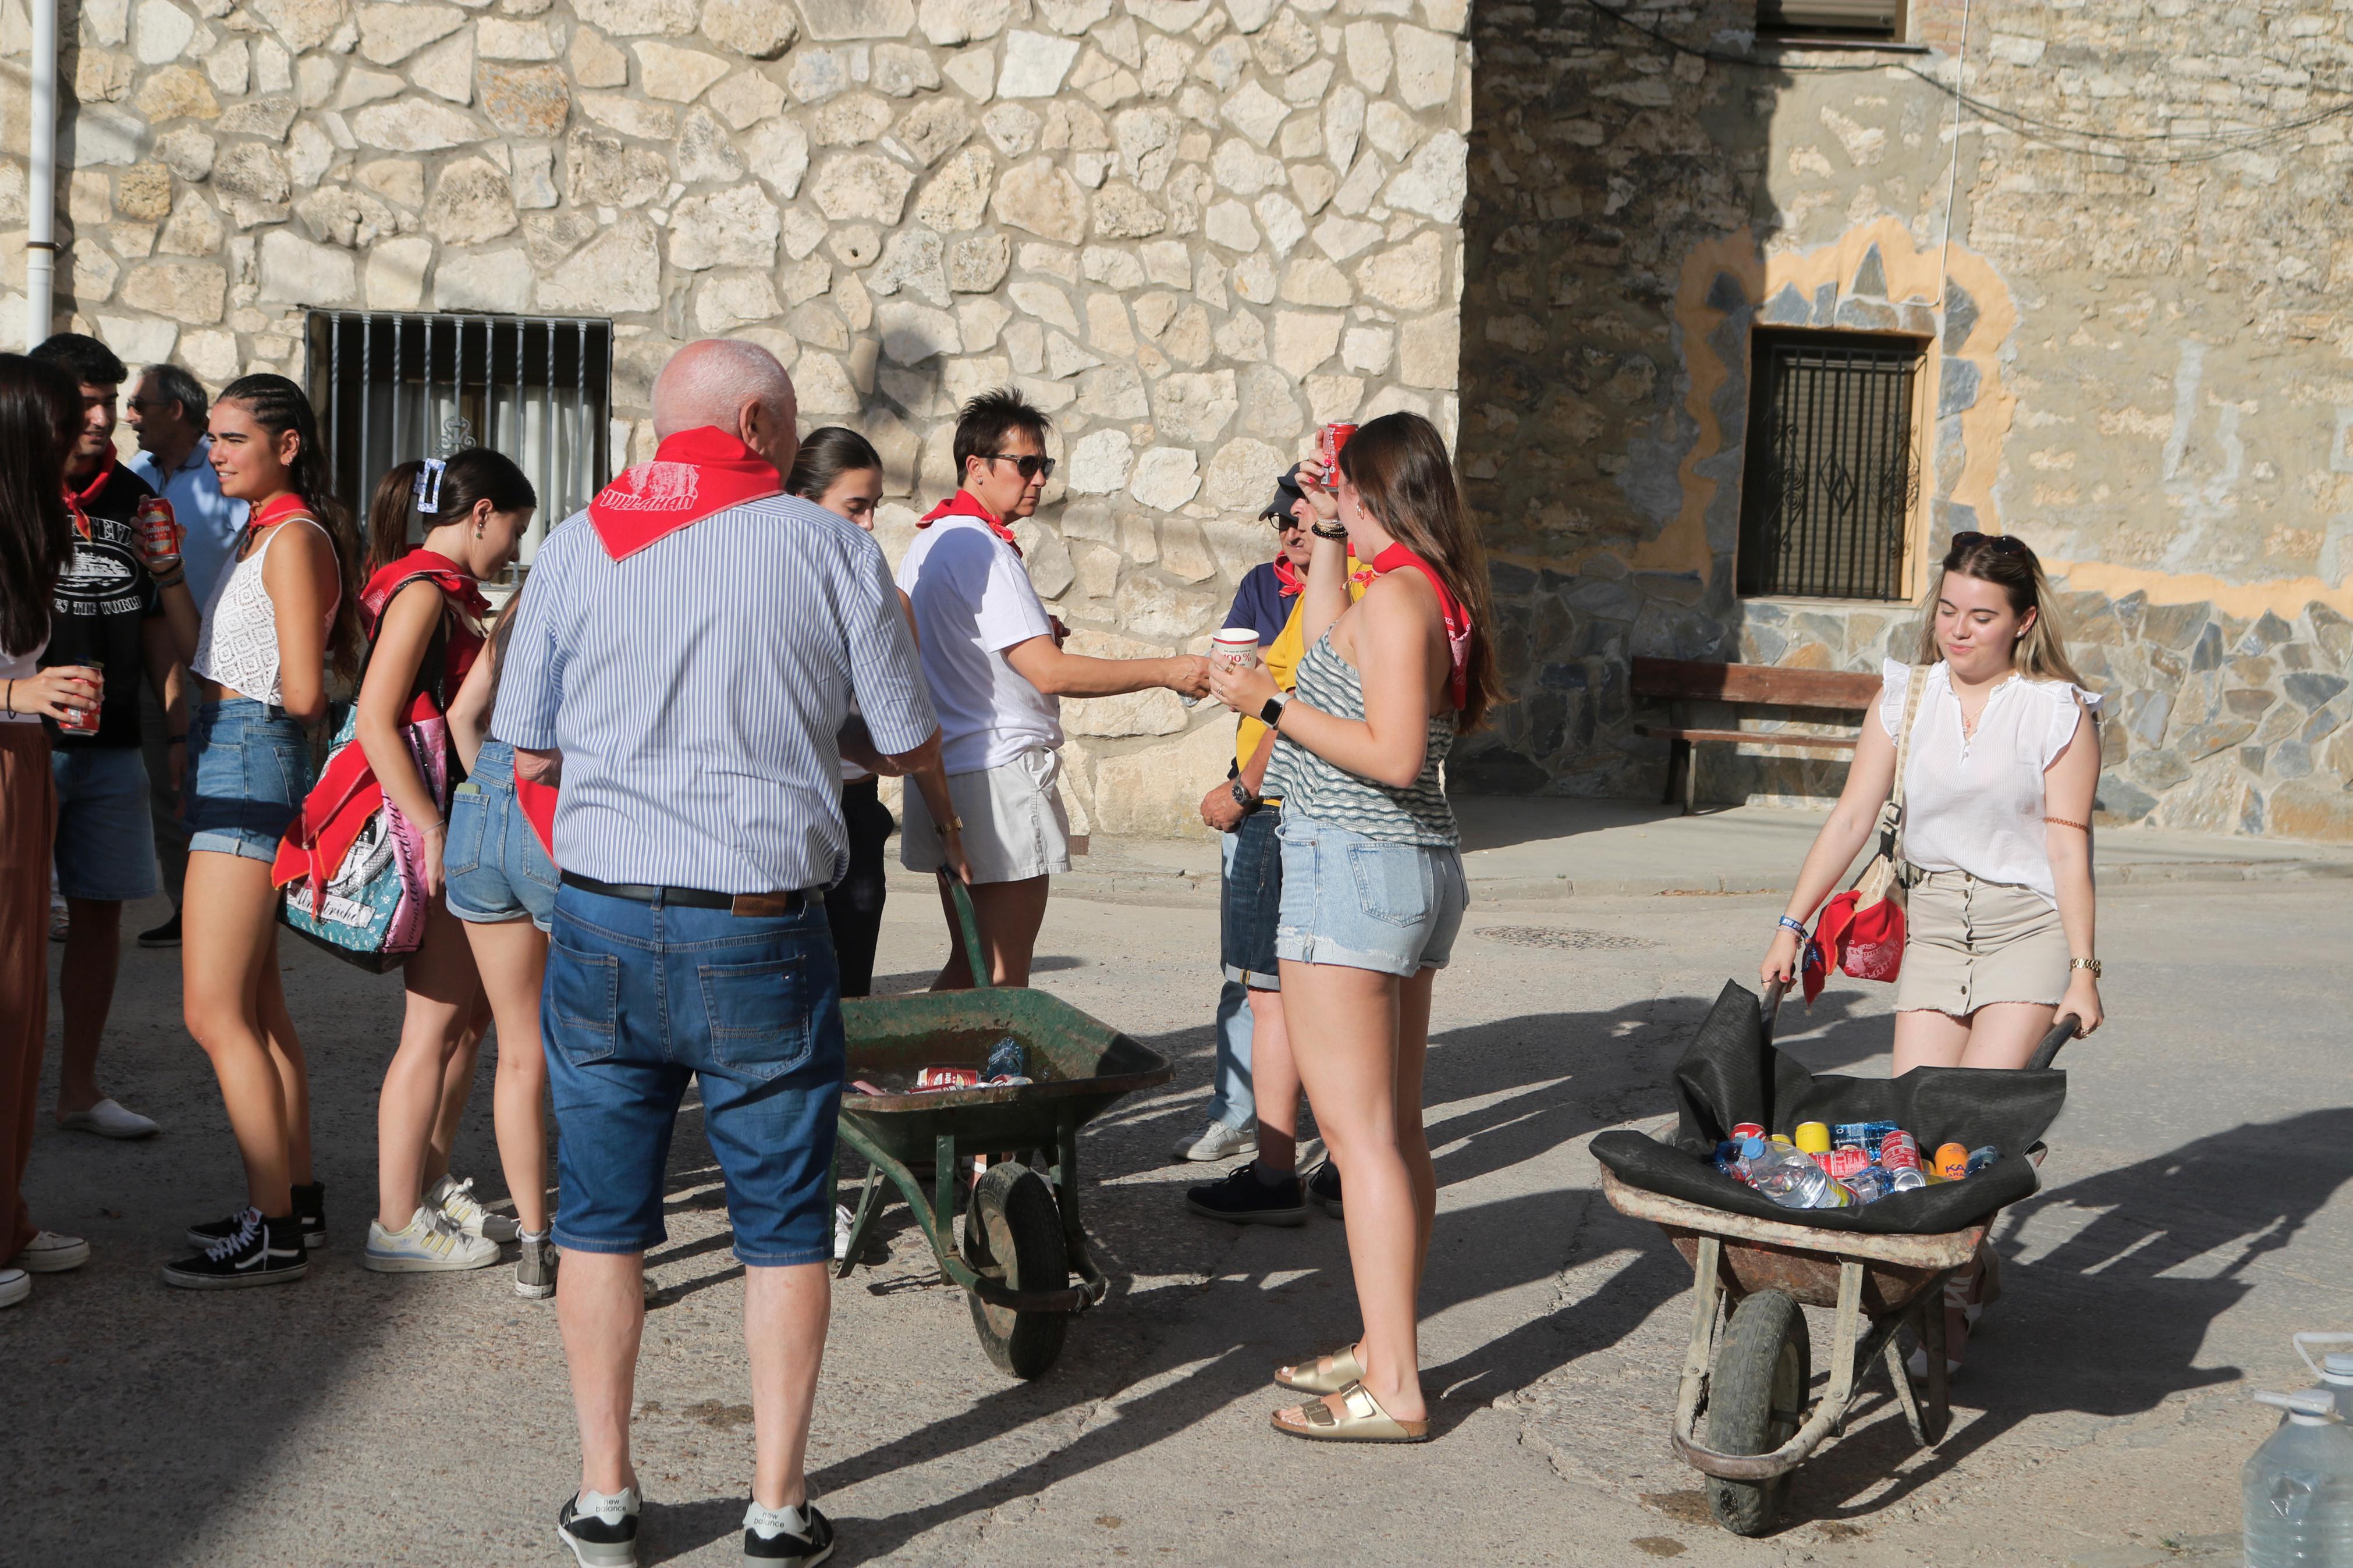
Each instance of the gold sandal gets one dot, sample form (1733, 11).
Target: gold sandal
(1363, 1421)
(1324, 1374)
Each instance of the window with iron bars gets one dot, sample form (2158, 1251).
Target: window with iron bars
(393, 385)
(1832, 474)
(1832, 21)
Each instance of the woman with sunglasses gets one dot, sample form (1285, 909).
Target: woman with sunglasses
(1997, 791)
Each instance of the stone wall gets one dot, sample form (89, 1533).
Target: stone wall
(1189, 229)
(2135, 362)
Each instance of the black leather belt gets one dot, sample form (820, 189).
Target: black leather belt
(752, 906)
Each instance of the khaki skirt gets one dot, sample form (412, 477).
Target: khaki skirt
(1971, 943)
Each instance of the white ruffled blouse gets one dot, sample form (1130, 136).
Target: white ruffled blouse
(1974, 802)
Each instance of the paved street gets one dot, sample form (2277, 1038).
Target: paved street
(2191, 1220)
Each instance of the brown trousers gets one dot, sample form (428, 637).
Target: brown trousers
(28, 814)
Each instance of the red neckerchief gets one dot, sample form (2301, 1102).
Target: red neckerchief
(1457, 619)
(1289, 584)
(466, 638)
(78, 502)
(962, 504)
(271, 514)
(693, 474)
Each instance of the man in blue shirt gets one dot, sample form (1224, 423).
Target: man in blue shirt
(166, 411)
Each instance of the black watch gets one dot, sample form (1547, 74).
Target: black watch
(1242, 797)
(1271, 714)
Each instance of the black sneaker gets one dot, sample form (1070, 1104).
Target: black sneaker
(310, 1207)
(604, 1536)
(259, 1252)
(1323, 1187)
(164, 935)
(1243, 1198)
(805, 1550)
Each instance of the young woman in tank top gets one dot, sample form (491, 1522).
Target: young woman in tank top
(285, 609)
(424, 610)
(1372, 876)
(1998, 934)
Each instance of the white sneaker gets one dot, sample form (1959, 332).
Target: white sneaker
(15, 1286)
(49, 1253)
(1218, 1142)
(843, 1219)
(109, 1120)
(427, 1245)
(455, 1202)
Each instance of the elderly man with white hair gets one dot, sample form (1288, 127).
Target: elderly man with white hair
(682, 668)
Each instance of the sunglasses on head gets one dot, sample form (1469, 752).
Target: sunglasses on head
(2000, 544)
(1031, 466)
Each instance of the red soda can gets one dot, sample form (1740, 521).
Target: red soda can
(1328, 442)
(1747, 1129)
(86, 720)
(947, 1077)
(159, 530)
(1899, 1151)
(1844, 1161)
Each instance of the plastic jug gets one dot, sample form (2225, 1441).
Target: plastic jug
(2297, 1490)
(2335, 1369)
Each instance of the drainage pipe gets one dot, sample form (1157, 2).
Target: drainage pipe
(41, 197)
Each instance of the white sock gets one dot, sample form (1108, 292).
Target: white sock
(534, 1235)
(768, 1523)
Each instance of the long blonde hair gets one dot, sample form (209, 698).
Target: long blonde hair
(2007, 564)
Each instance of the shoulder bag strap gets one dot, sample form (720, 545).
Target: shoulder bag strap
(1914, 682)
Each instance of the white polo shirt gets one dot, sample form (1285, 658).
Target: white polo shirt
(973, 600)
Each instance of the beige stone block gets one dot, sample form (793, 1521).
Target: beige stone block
(1123, 212)
(1354, 196)
(362, 87)
(913, 260)
(931, 131)
(400, 180)
(212, 356)
(1025, 343)
(1182, 553)
(760, 29)
(499, 38)
(447, 70)
(1166, 477)
(949, 23)
(823, 385)
(596, 63)
(901, 72)
(413, 125)
(1425, 66)
(956, 198)
(913, 333)
(294, 271)
(705, 155)
(745, 99)
(268, 117)
(1032, 65)
(979, 321)
(1333, 397)
(856, 245)
(1228, 223)
(92, 273)
(1187, 341)
(1242, 474)
(1286, 44)
(973, 73)
(101, 76)
(2299, 810)
(862, 185)
(639, 18)
(309, 153)
(142, 192)
(1435, 183)
(1304, 340)
(471, 202)
(1429, 352)
(724, 304)
(1044, 558)
(680, 75)
(1138, 540)
(395, 273)
(255, 182)
(630, 116)
(1045, 303)
(617, 271)
(777, 152)
(314, 84)
(849, 296)
(733, 227)
(1391, 129)
(1156, 792)
(1096, 569)
(1013, 128)
(391, 31)
(1065, 358)
(1407, 277)
(304, 24)
(106, 21)
(961, 380)
(977, 264)
(808, 280)
(175, 92)
(1099, 462)
(1041, 199)
(273, 68)
(1253, 279)
(1243, 170)
(1368, 349)
(1312, 280)
(1154, 713)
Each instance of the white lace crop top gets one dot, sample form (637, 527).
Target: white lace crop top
(236, 646)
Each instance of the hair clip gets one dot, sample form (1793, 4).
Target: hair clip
(426, 492)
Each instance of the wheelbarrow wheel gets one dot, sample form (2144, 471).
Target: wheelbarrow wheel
(1012, 1219)
(1756, 1402)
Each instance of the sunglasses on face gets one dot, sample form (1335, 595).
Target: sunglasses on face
(1285, 524)
(2000, 544)
(1032, 468)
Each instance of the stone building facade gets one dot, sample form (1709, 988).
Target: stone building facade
(2122, 272)
(1189, 229)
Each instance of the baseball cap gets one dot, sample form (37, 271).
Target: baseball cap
(1287, 494)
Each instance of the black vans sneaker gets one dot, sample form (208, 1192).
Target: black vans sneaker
(1245, 1199)
(1323, 1187)
(259, 1252)
(603, 1533)
(812, 1546)
(310, 1207)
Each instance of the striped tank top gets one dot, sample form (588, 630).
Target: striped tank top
(1311, 787)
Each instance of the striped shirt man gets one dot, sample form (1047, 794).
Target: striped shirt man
(696, 689)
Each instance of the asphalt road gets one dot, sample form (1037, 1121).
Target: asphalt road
(2191, 1220)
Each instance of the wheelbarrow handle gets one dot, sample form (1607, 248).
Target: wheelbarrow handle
(969, 927)
(2063, 1029)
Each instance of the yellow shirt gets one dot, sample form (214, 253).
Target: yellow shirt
(1281, 658)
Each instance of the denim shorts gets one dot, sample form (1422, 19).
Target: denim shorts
(641, 997)
(106, 835)
(1250, 900)
(248, 769)
(1364, 903)
(495, 867)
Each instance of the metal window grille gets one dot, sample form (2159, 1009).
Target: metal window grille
(393, 385)
(1832, 474)
(1860, 20)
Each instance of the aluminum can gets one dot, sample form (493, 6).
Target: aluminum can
(1813, 1137)
(159, 530)
(1843, 1161)
(946, 1078)
(1899, 1151)
(85, 722)
(1742, 1131)
(1329, 440)
(1908, 1180)
(1980, 1158)
(1952, 1163)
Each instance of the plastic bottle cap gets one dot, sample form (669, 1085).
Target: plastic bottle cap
(2305, 1406)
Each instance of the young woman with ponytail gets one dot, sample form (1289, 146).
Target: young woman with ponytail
(283, 613)
(425, 609)
(1997, 800)
(1371, 874)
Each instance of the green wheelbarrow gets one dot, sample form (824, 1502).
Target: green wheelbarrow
(1022, 1237)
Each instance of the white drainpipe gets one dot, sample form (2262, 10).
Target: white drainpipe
(41, 199)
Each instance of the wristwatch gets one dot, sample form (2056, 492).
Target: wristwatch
(952, 825)
(1242, 797)
(2090, 963)
(1271, 714)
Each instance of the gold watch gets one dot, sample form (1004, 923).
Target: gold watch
(952, 825)
(2090, 963)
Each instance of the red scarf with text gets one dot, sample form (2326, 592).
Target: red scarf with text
(1449, 609)
(962, 504)
(465, 596)
(693, 474)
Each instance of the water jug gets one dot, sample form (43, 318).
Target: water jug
(2298, 1488)
(2335, 1369)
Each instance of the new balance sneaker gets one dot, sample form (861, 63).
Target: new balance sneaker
(800, 1536)
(1323, 1187)
(1246, 1198)
(1216, 1142)
(601, 1530)
(535, 1270)
(15, 1286)
(259, 1252)
(455, 1200)
(428, 1244)
(49, 1253)
(310, 1208)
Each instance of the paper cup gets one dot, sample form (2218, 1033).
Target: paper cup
(1236, 646)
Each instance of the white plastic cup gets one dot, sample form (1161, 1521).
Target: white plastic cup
(1236, 646)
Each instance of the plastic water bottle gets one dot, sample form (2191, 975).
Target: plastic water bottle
(2297, 1490)
(2333, 1368)
(1794, 1181)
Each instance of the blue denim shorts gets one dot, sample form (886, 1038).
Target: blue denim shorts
(640, 997)
(106, 831)
(1250, 900)
(1366, 903)
(248, 769)
(494, 867)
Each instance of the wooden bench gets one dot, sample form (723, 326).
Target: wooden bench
(1683, 681)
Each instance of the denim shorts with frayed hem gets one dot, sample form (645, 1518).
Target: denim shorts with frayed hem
(641, 997)
(248, 769)
(497, 870)
(1366, 903)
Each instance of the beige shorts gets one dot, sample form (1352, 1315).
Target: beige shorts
(1968, 944)
(1013, 824)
